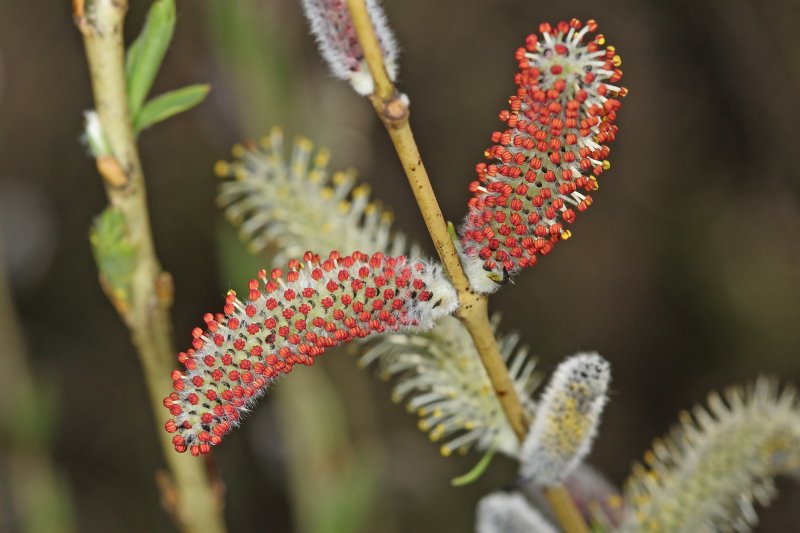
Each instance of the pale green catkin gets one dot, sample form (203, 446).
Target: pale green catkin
(707, 474)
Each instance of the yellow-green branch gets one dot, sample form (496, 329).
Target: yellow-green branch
(193, 500)
(393, 111)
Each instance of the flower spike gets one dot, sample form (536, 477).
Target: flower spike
(566, 420)
(502, 512)
(439, 377)
(332, 26)
(292, 320)
(285, 200)
(708, 473)
(542, 167)
(288, 200)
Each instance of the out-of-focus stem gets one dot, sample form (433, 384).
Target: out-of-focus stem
(195, 503)
(566, 511)
(38, 492)
(392, 108)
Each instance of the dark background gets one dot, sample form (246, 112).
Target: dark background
(685, 273)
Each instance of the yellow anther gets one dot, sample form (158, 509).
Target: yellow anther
(615, 501)
(326, 193)
(486, 153)
(387, 217)
(445, 450)
(304, 143)
(437, 412)
(240, 173)
(612, 49)
(222, 169)
(422, 412)
(594, 181)
(339, 178)
(600, 39)
(361, 190)
(344, 207)
(469, 425)
(566, 234)
(606, 164)
(237, 150)
(370, 209)
(423, 425)
(322, 158)
(314, 176)
(617, 61)
(650, 458)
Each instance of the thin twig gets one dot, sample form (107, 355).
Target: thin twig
(393, 111)
(392, 108)
(197, 505)
(564, 508)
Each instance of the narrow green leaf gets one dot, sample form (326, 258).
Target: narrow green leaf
(477, 471)
(168, 104)
(147, 52)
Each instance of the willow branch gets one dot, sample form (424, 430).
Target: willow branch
(392, 108)
(195, 503)
(393, 111)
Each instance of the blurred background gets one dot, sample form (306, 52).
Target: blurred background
(685, 273)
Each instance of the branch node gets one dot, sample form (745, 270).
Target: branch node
(112, 172)
(165, 289)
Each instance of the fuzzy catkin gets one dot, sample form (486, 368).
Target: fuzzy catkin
(566, 420)
(707, 474)
(320, 304)
(502, 512)
(332, 27)
(542, 167)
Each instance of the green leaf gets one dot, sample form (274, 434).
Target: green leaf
(168, 104)
(147, 52)
(477, 471)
